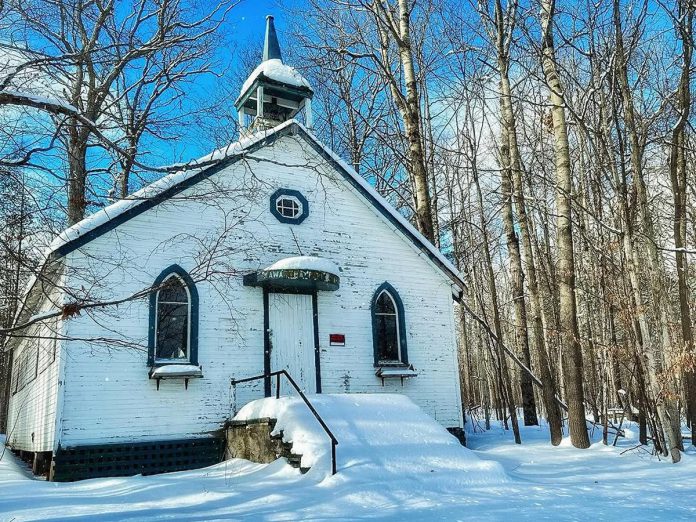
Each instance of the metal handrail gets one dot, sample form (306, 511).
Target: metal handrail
(277, 374)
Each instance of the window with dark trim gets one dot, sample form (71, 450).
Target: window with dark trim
(388, 327)
(289, 206)
(173, 311)
(173, 334)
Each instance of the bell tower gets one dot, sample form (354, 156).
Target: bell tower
(274, 92)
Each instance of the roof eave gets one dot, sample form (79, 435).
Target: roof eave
(291, 127)
(48, 271)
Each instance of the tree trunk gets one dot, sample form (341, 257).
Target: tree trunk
(506, 389)
(569, 334)
(553, 411)
(517, 279)
(424, 216)
(665, 404)
(508, 135)
(77, 180)
(678, 170)
(408, 104)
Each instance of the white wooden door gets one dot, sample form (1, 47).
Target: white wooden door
(291, 332)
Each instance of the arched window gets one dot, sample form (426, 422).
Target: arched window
(388, 327)
(173, 311)
(173, 319)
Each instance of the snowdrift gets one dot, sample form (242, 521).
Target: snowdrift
(379, 435)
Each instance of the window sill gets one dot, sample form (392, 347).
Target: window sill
(175, 371)
(401, 371)
(173, 362)
(391, 364)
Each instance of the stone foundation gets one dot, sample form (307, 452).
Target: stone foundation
(252, 440)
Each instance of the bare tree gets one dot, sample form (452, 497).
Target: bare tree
(92, 51)
(683, 22)
(569, 334)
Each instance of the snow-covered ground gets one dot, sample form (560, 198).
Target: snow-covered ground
(405, 470)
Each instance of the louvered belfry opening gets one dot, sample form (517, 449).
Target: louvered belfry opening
(274, 92)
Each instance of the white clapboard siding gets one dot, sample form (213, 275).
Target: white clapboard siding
(108, 396)
(34, 392)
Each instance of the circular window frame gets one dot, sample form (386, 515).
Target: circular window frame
(297, 208)
(291, 194)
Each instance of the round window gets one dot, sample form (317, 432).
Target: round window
(289, 206)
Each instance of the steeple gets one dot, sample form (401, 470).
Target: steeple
(271, 47)
(274, 92)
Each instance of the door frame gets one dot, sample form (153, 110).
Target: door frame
(267, 337)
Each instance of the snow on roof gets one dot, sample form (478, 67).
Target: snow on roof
(114, 210)
(318, 264)
(275, 69)
(377, 434)
(187, 171)
(388, 207)
(192, 168)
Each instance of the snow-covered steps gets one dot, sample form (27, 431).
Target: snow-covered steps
(378, 435)
(255, 440)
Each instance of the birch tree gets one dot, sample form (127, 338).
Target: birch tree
(683, 25)
(569, 335)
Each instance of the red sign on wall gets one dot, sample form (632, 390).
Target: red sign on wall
(337, 340)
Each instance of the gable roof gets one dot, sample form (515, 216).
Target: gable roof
(112, 216)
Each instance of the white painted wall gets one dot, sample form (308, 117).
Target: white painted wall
(108, 396)
(32, 409)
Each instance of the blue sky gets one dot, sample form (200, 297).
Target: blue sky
(245, 25)
(250, 15)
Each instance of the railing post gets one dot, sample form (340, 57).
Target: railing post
(333, 457)
(234, 398)
(291, 381)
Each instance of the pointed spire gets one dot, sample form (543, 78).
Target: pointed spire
(271, 48)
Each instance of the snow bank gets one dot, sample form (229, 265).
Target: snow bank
(11, 468)
(544, 483)
(276, 70)
(380, 436)
(318, 264)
